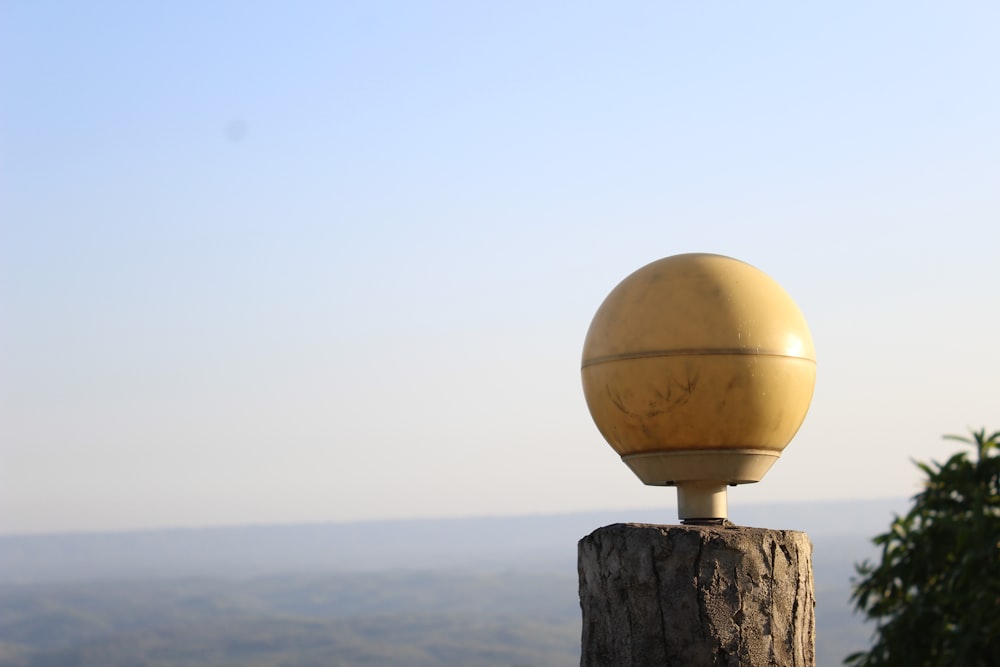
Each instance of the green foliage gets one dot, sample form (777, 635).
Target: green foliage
(935, 595)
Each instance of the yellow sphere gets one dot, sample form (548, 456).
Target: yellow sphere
(698, 367)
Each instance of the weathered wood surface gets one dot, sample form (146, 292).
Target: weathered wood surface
(693, 596)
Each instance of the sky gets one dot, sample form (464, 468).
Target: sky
(314, 261)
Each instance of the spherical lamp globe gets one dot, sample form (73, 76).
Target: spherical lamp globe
(698, 370)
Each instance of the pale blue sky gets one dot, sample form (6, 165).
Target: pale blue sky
(306, 261)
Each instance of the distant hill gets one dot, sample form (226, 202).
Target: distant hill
(372, 619)
(493, 592)
(840, 530)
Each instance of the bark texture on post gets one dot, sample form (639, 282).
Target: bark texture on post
(689, 596)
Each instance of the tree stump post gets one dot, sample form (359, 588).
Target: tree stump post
(693, 596)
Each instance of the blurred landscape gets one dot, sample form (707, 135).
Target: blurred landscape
(477, 592)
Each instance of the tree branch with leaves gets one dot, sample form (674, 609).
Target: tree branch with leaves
(935, 594)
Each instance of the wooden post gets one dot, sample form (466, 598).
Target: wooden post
(693, 596)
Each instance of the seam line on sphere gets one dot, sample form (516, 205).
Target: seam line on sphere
(626, 356)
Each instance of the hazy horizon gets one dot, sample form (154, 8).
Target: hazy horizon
(81, 592)
(767, 514)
